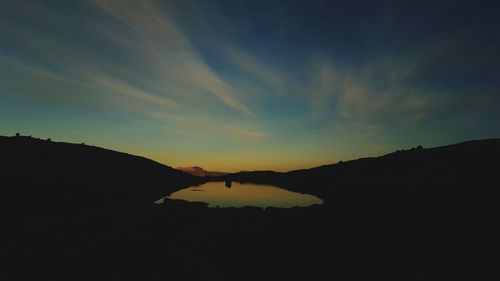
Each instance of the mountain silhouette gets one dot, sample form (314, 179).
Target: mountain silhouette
(199, 172)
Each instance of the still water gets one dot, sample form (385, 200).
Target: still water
(240, 195)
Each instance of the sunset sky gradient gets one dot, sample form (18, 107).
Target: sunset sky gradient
(250, 85)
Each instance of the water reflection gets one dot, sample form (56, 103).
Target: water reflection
(236, 194)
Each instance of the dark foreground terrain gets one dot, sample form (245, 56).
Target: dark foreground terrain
(76, 212)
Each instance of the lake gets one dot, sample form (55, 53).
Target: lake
(240, 195)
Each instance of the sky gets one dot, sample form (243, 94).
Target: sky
(250, 85)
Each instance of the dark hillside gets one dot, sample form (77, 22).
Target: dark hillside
(471, 165)
(45, 176)
(78, 212)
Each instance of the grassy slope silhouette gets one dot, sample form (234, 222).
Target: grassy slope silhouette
(55, 177)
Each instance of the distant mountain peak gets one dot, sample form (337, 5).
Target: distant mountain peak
(199, 171)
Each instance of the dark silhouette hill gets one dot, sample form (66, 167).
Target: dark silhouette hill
(77, 212)
(461, 165)
(49, 176)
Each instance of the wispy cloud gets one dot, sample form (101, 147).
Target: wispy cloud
(161, 45)
(246, 133)
(371, 93)
(124, 89)
(258, 71)
(154, 62)
(211, 125)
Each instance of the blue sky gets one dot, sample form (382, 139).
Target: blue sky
(246, 85)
